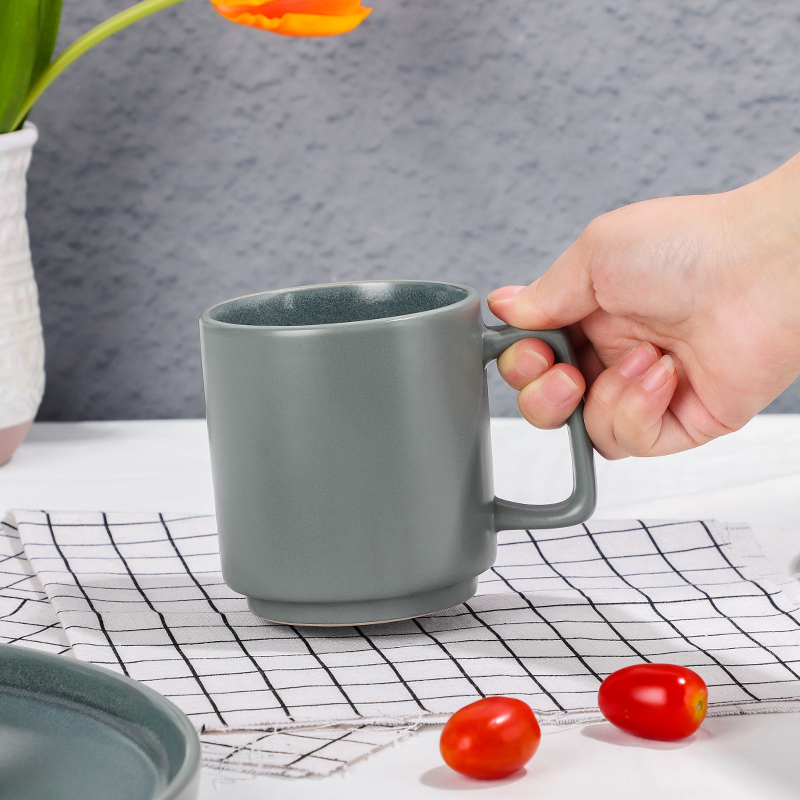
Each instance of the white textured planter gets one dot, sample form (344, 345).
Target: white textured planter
(21, 342)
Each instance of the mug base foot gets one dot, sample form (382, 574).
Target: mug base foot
(363, 612)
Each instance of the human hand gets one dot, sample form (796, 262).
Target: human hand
(684, 312)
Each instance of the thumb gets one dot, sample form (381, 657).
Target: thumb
(562, 296)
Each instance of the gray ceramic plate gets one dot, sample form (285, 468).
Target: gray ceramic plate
(73, 731)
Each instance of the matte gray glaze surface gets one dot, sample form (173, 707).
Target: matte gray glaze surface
(351, 459)
(73, 731)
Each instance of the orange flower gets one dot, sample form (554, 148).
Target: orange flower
(296, 17)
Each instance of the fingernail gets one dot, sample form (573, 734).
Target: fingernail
(531, 364)
(658, 374)
(558, 388)
(638, 361)
(504, 293)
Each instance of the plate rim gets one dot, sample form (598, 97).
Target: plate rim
(190, 768)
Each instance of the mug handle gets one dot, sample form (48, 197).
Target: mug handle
(580, 505)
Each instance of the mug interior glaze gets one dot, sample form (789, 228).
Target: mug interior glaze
(338, 303)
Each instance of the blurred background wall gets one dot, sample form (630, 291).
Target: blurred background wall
(188, 160)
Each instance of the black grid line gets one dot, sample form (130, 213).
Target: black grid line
(86, 597)
(392, 667)
(552, 627)
(456, 663)
(16, 610)
(504, 643)
(768, 595)
(586, 597)
(316, 656)
(297, 752)
(662, 616)
(34, 615)
(549, 622)
(713, 604)
(169, 632)
(236, 750)
(224, 619)
(324, 745)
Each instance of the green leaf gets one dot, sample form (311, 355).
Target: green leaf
(81, 45)
(19, 31)
(49, 18)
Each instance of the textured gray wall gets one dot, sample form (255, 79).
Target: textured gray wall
(188, 160)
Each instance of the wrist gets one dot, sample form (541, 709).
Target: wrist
(780, 192)
(764, 223)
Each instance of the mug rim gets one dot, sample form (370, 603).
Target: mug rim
(471, 295)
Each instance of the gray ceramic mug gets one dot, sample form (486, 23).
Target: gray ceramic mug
(350, 449)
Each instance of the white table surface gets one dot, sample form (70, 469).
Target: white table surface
(751, 476)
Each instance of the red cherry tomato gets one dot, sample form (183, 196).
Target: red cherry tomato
(491, 738)
(655, 701)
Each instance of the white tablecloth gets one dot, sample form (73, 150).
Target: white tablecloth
(752, 476)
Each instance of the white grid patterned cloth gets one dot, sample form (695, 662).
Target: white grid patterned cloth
(561, 609)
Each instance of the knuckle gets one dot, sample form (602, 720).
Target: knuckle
(616, 454)
(599, 231)
(546, 317)
(603, 393)
(639, 449)
(600, 429)
(635, 435)
(531, 407)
